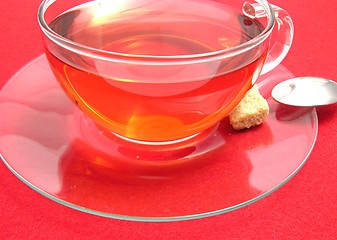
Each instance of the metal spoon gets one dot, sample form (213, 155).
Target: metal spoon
(306, 92)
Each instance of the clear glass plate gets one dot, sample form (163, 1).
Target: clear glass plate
(53, 148)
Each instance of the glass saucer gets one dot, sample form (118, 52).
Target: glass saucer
(53, 148)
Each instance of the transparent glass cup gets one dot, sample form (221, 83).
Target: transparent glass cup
(161, 71)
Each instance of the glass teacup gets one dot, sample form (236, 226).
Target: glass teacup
(161, 71)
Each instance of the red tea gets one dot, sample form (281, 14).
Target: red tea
(159, 100)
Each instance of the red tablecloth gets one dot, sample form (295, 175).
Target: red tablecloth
(304, 208)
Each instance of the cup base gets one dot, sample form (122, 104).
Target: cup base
(157, 143)
(129, 150)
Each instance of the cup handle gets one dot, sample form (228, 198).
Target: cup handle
(281, 39)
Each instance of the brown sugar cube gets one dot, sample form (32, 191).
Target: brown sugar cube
(251, 111)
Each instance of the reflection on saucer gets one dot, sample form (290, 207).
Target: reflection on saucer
(289, 113)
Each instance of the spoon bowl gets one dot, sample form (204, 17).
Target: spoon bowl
(306, 92)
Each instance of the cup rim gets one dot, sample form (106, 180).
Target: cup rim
(109, 55)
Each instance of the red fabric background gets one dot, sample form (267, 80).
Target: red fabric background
(304, 208)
